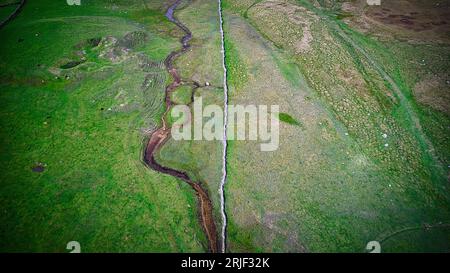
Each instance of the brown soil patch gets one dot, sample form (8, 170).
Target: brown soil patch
(434, 91)
(408, 19)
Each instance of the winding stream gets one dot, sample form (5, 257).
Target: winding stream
(159, 137)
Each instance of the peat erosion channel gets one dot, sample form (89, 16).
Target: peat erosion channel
(159, 137)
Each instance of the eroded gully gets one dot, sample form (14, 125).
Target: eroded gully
(159, 137)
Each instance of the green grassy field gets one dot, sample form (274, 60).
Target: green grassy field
(364, 132)
(85, 126)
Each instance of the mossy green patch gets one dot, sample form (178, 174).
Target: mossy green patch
(182, 95)
(237, 69)
(284, 117)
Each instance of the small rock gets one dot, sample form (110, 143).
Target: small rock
(386, 145)
(384, 135)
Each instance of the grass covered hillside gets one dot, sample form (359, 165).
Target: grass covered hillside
(369, 161)
(88, 154)
(79, 88)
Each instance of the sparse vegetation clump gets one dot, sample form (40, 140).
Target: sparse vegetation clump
(237, 74)
(288, 119)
